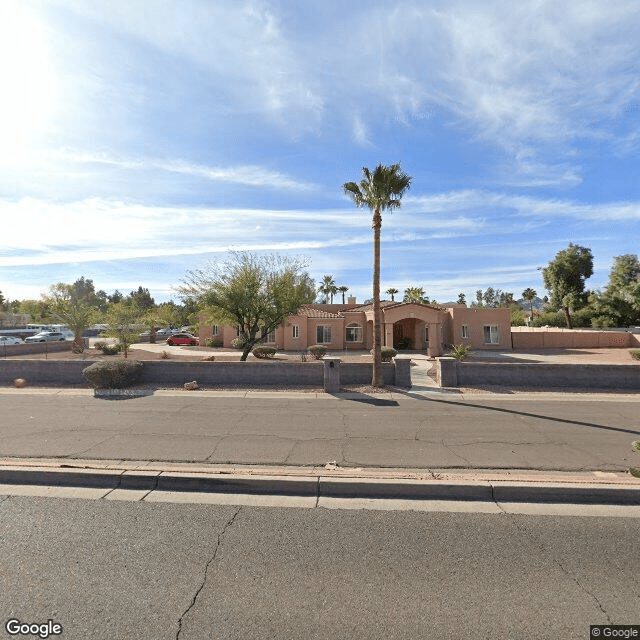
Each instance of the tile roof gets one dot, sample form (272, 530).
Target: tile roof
(312, 311)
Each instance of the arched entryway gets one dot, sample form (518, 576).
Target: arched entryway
(414, 326)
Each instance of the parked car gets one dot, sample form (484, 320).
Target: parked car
(10, 340)
(166, 332)
(46, 336)
(182, 338)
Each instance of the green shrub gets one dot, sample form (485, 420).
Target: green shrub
(113, 374)
(164, 355)
(264, 353)
(551, 319)
(108, 349)
(635, 354)
(387, 353)
(213, 342)
(459, 351)
(318, 351)
(239, 343)
(405, 343)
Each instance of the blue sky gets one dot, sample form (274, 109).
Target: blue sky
(140, 139)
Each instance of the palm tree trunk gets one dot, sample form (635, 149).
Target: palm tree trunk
(377, 338)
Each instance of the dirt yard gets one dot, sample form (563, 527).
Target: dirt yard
(194, 354)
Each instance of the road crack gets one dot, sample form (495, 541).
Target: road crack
(206, 571)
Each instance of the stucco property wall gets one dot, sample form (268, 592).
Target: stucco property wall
(35, 347)
(452, 373)
(260, 374)
(45, 372)
(555, 338)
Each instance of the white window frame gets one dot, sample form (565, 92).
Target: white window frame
(215, 330)
(326, 333)
(464, 333)
(295, 331)
(492, 332)
(356, 332)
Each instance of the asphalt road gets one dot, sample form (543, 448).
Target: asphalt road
(564, 433)
(122, 570)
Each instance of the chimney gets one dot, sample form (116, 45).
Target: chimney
(351, 300)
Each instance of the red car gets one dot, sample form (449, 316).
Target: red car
(182, 338)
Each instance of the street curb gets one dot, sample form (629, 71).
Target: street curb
(321, 486)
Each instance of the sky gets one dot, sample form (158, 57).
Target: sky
(142, 139)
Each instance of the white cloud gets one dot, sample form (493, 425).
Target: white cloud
(242, 44)
(253, 176)
(472, 200)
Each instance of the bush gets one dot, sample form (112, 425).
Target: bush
(387, 353)
(551, 319)
(213, 342)
(239, 343)
(264, 353)
(318, 351)
(164, 355)
(113, 374)
(459, 351)
(108, 349)
(635, 354)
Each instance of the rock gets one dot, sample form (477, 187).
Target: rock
(191, 386)
(209, 358)
(20, 382)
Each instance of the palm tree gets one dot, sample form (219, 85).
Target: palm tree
(530, 295)
(343, 290)
(392, 292)
(327, 288)
(414, 294)
(380, 190)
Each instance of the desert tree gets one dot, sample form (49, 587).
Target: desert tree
(255, 293)
(564, 277)
(530, 295)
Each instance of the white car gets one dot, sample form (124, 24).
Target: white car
(9, 340)
(46, 336)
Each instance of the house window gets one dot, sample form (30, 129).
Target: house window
(295, 331)
(354, 333)
(215, 330)
(491, 334)
(323, 334)
(465, 331)
(238, 331)
(270, 335)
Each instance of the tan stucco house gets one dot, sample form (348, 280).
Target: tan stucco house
(404, 325)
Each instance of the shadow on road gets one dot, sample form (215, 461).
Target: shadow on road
(519, 413)
(356, 396)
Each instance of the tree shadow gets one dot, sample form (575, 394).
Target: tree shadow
(356, 396)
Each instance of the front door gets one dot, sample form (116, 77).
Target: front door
(398, 334)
